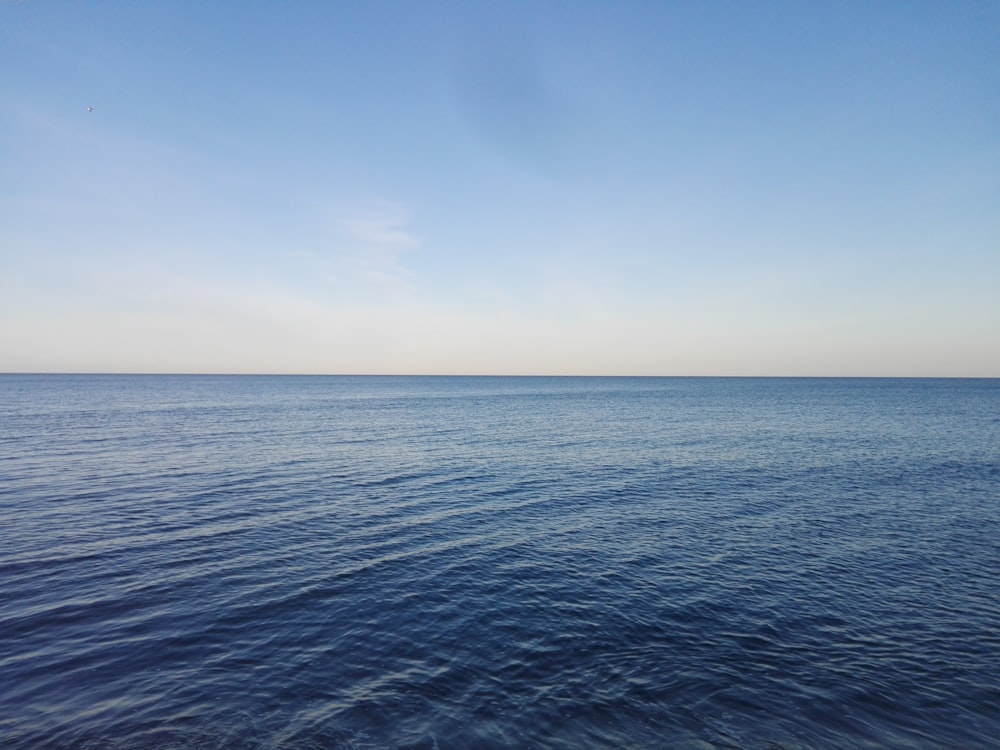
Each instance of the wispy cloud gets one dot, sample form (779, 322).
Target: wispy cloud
(370, 241)
(384, 225)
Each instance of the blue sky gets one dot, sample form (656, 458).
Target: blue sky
(648, 188)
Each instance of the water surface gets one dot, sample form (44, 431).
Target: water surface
(379, 562)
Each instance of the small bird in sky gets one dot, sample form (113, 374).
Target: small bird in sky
(90, 109)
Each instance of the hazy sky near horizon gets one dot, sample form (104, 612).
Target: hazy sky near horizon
(649, 188)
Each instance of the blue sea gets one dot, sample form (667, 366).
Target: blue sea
(473, 562)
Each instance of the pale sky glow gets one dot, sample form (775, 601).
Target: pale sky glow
(690, 188)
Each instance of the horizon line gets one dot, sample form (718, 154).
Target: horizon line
(109, 373)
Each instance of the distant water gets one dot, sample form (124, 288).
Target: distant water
(380, 562)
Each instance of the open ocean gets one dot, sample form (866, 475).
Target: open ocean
(474, 562)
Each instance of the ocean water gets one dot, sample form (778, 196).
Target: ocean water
(424, 562)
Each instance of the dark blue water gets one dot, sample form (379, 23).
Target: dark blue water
(341, 562)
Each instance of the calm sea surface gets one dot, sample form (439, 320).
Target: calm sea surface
(381, 562)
